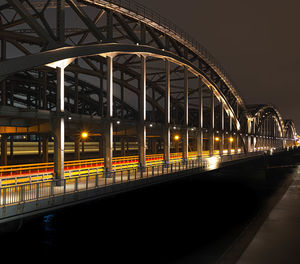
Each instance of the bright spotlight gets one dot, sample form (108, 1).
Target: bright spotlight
(176, 137)
(84, 134)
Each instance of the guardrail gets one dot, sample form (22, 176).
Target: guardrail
(28, 173)
(97, 179)
(44, 171)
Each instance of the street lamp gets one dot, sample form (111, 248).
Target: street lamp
(176, 137)
(84, 134)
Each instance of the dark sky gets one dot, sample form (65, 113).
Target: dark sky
(257, 42)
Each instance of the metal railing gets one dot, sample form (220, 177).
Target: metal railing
(91, 180)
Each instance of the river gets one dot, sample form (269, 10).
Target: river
(192, 220)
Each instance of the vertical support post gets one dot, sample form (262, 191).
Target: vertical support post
(269, 132)
(142, 111)
(122, 95)
(254, 134)
(230, 135)
(185, 137)
(200, 127)
(101, 90)
(212, 127)
(123, 153)
(45, 139)
(263, 135)
(237, 132)
(274, 133)
(59, 127)
(76, 93)
(3, 83)
(101, 147)
(44, 90)
(77, 148)
(108, 133)
(167, 140)
(249, 123)
(4, 150)
(108, 136)
(222, 130)
(11, 146)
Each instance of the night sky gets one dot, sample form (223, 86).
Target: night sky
(257, 42)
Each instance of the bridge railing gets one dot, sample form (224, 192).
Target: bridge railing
(91, 180)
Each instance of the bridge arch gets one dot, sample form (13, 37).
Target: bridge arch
(125, 46)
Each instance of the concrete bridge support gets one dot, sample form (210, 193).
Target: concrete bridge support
(59, 126)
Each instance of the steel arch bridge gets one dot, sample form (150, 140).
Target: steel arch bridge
(125, 73)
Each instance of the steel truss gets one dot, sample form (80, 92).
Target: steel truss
(125, 71)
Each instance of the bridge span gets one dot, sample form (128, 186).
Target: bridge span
(152, 102)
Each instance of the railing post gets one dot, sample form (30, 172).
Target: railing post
(4, 196)
(52, 188)
(96, 179)
(37, 191)
(65, 186)
(76, 184)
(21, 197)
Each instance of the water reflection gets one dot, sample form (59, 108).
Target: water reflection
(49, 230)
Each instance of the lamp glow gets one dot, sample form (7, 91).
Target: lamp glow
(84, 134)
(176, 137)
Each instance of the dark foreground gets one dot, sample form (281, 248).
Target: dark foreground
(194, 220)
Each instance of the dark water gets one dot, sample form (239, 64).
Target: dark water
(193, 220)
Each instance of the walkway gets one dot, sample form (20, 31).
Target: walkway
(278, 239)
